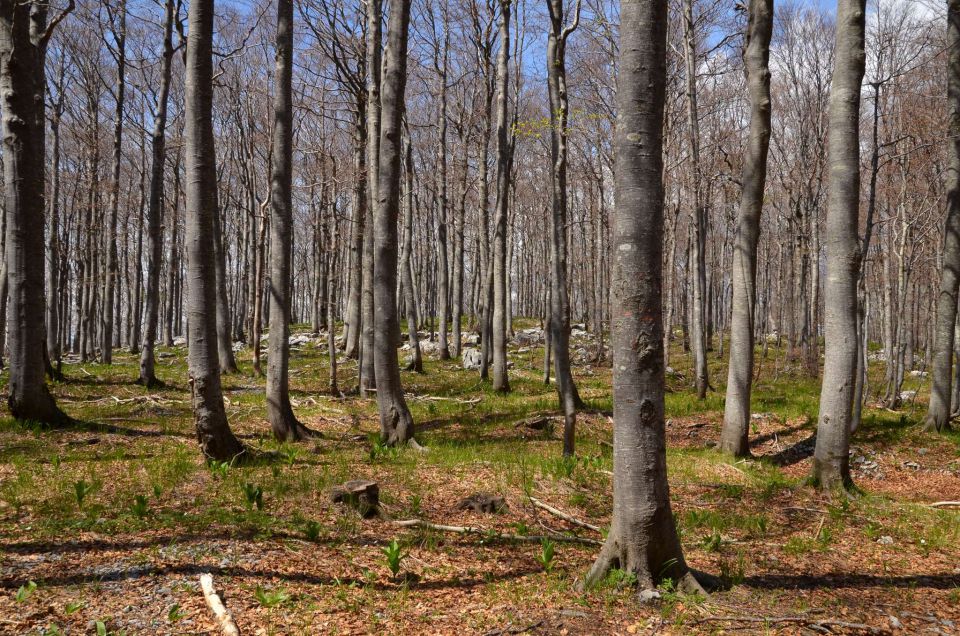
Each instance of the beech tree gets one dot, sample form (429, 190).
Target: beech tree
(736, 417)
(24, 36)
(396, 424)
(643, 538)
(217, 441)
(831, 466)
(939, 411)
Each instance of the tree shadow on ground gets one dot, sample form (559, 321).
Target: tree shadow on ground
(939, 581)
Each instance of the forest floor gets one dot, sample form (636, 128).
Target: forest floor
(106, 528)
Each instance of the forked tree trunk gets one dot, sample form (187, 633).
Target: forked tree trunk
(284, 423)
(938, 414)
(396, 424)
(216, 439)
(148, 376)
(643, 539)
(559, 321)
(501, 383)
(831, 465)
(23, 41)
(736, 417)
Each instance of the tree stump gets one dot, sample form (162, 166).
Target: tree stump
(360, 494)
(484, 503)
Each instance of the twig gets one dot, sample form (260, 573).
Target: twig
(803, 620)
(224, 619)
(493, 534)
(509, 629)
(563, 515)
(946, 504)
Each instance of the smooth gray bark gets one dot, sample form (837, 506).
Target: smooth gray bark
(736, 416)
(217, 441)
(501, 383)
(155, 208)
(24, 33)
(643, 538)
(396, 424)
(831, 465)
(939, 411)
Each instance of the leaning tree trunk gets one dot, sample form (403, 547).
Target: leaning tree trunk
(216, 439)
(938, 414)
(284, 423)
(736, 416)
(23, 42)
(396, 424)
(559, 322)
(501, 383)
(110, 236)
(831, 465)
(643, 539)
(155, 209)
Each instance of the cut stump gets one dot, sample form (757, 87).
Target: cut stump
(360, 494)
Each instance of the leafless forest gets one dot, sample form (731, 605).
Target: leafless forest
(495, 316)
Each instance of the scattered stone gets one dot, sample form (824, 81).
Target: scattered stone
(484, 503)
(361, 494)
(922, 451)
(472, 358)
(895, 622)
(531, 336)
(919, 374)
(907, 396)
(647, 596)
(911, 465)
(885, 540)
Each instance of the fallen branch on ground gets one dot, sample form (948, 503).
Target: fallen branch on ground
(806, 621)
(224, 619)
(510, 629)
(493, 534)
(563, 515)
(946, 504)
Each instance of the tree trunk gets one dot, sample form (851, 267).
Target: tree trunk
(23, 42)
(228, 362)
(396, 424)
(284, 423)
(643, 539)
(53, 239)
(501, 383)
(938, 414)
(736, 417)
(831, 466)
(216, 439)
(698, 245)
(368, 379)
(406, 269)
(148, 376)
(110, 236)
(559, 323)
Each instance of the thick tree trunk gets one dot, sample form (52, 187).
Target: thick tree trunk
(736, 417)
(358, 222)
(23, 41)
(501, 383)
(396, 424)
(216, 439)
(284, 423)
(155, 209)
(643, 539)
(938, 414)
(831, 466)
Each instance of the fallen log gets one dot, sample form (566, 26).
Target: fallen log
(493, 534)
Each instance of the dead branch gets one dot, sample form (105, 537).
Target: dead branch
(510, 629)
(806, 621)
(563, 515)
(946, 504)
(493, 534)
(224, 619)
